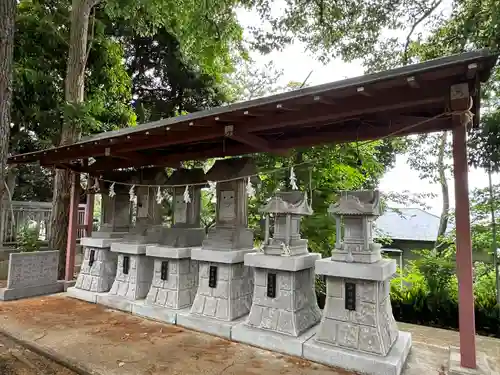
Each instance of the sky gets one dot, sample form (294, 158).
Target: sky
(297, 63)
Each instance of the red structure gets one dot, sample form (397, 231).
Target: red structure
(437, 95)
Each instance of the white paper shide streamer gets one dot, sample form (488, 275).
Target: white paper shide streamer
(250, 189)
(96, 184)
(159, 196)
(187, 197)
(212, 185)
(131, 193)
(112, 190)
(293, 179)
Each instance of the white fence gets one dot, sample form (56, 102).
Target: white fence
(23, 212)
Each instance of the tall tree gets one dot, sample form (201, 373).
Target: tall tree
(207, 32)
(7, 23)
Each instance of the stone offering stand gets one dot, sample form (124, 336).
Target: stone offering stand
(225, 285)
(134, 271)
(358, 331)
(32, 274)
(284, 305)
(175, 278)
(98, 269)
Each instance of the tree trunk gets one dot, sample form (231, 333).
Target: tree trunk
(74, 96)
(443, 222)
(7, 25)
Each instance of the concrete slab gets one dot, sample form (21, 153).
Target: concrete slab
(271, 340)
(83, 295)
(288, 263)
(129, 248)
(222, 256)
(214, 327)
(454, 367)
(158, 313)
(364, 363)
(7, 294)
(160, 251)
(115, 302)
(379, 271)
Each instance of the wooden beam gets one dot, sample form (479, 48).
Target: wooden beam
(412, 82)
(136, 143)
(258, 143)
(400, 127)
(354, 106)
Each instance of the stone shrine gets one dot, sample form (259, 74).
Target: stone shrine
(225, 285)
(284, 306)
(175, 277)
(358, 331)
(134, 270)
(98, 269)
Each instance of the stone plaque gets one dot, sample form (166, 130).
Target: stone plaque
(350, 296)
(227, 205)
(212, 277)
(126, 264)
(91, 257)
(164, 270)
(271, 285)
(180, 213)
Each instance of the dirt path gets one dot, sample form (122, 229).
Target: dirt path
(15, 360)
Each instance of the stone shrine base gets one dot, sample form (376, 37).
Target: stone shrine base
(158, 313)
(7, 294)
(221, 328)
(274, 341)
(361, 362)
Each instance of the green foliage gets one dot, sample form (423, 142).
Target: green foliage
(27, 238)
(429, 295)
(208, 31)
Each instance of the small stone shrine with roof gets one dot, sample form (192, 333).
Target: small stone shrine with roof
(284, 306)
(358, 331)
(98, 269)
(225, 285)
(175, 278)
(134, 270)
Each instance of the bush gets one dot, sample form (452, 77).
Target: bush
(429, 295)
(27, 238)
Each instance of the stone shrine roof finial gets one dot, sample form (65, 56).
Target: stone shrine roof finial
(291, 202)
(357, 203)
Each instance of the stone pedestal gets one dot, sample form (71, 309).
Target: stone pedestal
(173, 286)
(225, 285)
(358, 331)
(284, 307)
(175, 278)
(98, 268)
(134, 273)
(134, 270)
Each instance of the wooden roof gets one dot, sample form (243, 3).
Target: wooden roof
(394, 102)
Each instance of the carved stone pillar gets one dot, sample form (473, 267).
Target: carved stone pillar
(225, 285)
(175, 277)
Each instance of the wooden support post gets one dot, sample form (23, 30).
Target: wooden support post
(459, 102)
(72, 226)
(89, 214)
